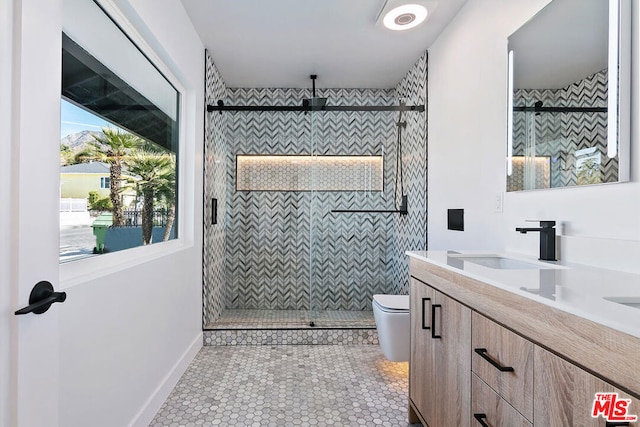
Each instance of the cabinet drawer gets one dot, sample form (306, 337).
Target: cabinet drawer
(489, 409)
(503, 360)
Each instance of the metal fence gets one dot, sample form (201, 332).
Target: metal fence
(134, 218)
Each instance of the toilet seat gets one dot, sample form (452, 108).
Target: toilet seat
(392, 303)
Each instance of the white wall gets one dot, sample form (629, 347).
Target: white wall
(467, 148)
(128, 335)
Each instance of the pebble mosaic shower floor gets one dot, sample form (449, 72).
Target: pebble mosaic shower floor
(302, 385)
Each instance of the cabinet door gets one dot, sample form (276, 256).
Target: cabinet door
(451, 325)
(564, 393)
(421, 369)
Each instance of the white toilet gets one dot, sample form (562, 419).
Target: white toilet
(391, 313)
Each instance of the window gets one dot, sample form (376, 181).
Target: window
(119, 119)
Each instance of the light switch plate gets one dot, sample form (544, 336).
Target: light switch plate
(498, 203)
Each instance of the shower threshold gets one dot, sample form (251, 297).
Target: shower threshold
(243, 319)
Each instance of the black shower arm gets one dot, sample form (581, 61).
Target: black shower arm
(304, 108)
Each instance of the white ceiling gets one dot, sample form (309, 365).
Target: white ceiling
(279, 43)
(566, 42)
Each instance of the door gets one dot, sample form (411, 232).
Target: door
(452, 350)
(422, 386)
(31, 190)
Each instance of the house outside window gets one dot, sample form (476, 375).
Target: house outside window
(105, 182)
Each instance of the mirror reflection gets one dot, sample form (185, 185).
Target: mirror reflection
(564, 124)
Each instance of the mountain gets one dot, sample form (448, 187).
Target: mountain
(73, 143)
(79, 141)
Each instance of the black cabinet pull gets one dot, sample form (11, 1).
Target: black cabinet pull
(480, 418)
(483, 353)
(433, 321)
(41, 298)
(424, 325)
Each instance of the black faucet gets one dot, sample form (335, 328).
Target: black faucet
(547, 239)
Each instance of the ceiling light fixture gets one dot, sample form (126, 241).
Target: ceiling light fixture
(405, 17)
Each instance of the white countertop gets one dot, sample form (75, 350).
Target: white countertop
(574, 288)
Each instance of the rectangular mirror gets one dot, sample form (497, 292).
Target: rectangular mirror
(569, 96)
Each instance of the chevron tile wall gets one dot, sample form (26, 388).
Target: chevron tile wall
(410, 231)
(286, 250)
(560, 135)
(215, 186)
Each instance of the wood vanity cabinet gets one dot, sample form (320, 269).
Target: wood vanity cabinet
(439, 381)
(557, 361)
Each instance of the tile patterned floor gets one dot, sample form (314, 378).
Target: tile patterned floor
(282, 319)
(300, 385)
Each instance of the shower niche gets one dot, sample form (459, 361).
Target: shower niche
(281, 255)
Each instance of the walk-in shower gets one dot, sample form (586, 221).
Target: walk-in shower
(310, 220)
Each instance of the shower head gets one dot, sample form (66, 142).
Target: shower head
(314, 102)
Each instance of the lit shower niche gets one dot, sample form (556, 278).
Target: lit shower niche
(530, 172)
(309, 173)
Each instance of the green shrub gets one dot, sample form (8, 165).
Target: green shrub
(97, 203)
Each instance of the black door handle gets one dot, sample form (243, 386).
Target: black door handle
(433, 321)
(480, 419)
(424, 324)
(41, 298)
(482, 352)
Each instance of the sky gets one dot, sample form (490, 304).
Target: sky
(74, 119)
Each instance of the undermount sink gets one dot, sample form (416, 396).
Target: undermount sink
(633, 302)
(499, 262)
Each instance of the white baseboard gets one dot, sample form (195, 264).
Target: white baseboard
(160, 394)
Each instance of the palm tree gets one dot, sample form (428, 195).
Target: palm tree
(156, 172)
(112, 147)
(167, 191)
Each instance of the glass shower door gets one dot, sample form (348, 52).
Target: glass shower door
(349, 252)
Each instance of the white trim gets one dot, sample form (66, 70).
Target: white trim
(7, 162)
(154, 402)
(75, 273)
